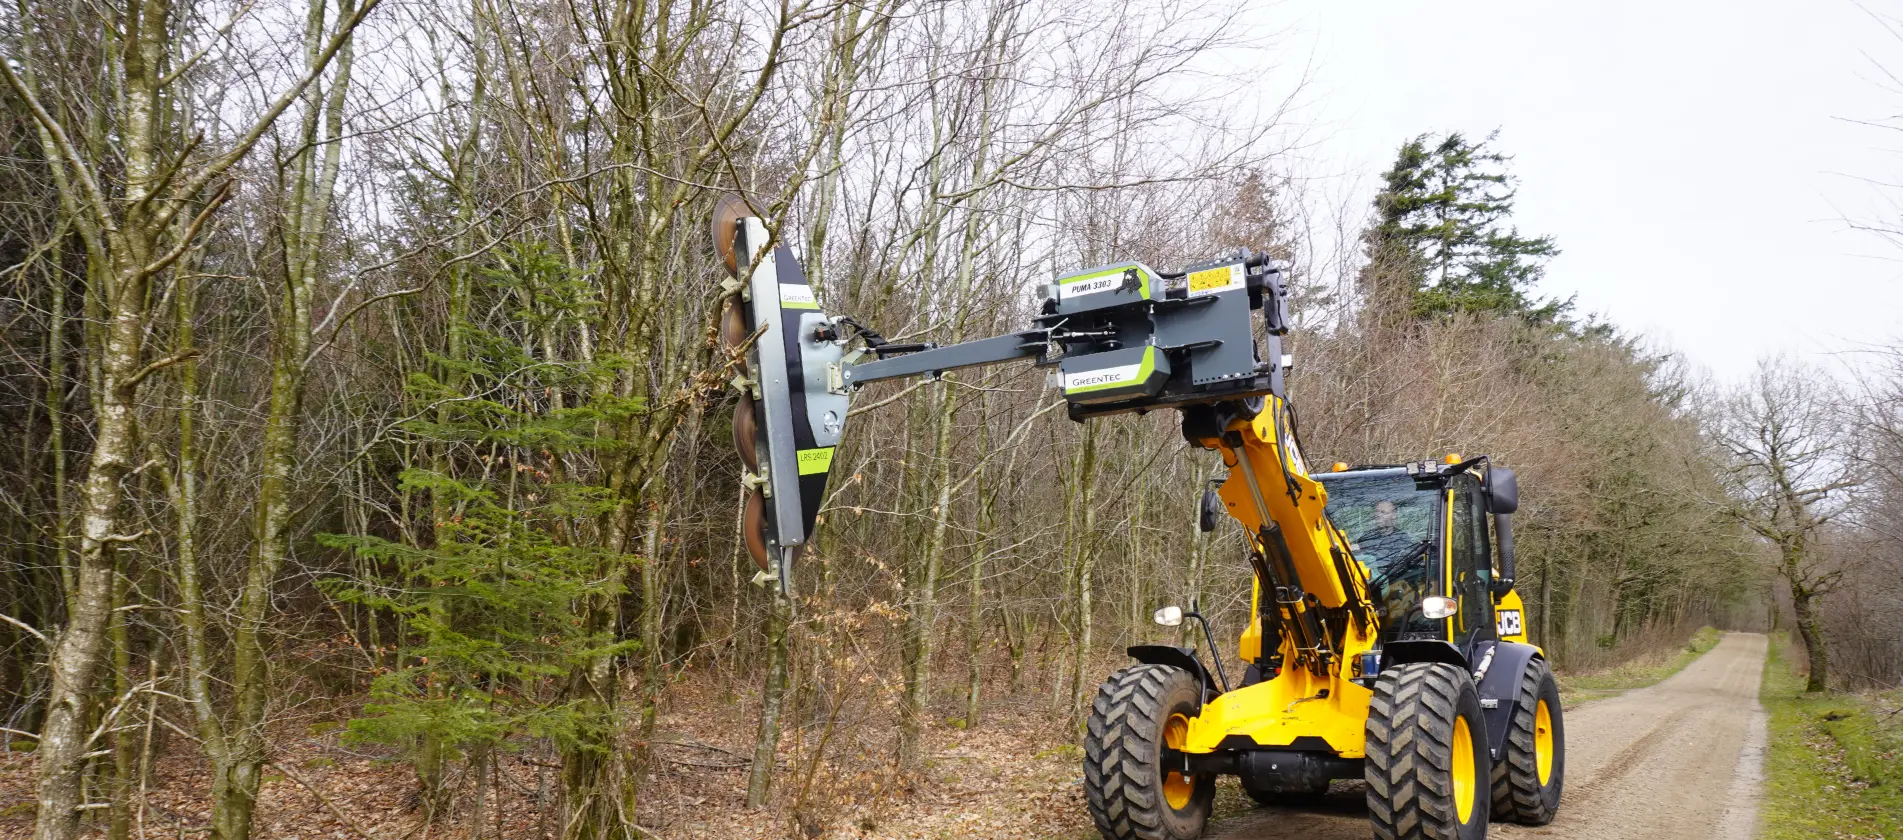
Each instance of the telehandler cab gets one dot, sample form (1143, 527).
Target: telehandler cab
(1385, 640)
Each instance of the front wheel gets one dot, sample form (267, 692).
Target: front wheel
(1138, 712)
(1428, 766)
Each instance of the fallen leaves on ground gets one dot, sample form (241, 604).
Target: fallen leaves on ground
(1017, 775)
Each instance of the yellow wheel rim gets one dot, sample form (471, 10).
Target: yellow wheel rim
(1463, 770)
(1177, 787)
(1543, 741)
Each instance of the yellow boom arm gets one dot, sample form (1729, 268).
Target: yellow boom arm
(1311, 612)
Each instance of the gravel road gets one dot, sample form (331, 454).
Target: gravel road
(1677, 760)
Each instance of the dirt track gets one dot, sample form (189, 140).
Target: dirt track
(1677, 760)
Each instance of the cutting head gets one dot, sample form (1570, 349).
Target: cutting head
(789, 416)
(746, 433)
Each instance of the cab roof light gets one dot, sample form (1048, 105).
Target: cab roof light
(1451, 458)
(1341, 466)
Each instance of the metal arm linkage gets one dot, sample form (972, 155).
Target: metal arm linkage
(933, 361)
(1123, 337)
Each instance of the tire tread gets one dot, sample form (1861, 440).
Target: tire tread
(1121, 744)
(1517, 793)
(1410, 749)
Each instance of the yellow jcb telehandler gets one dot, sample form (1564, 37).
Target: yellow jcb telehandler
(1385, 641)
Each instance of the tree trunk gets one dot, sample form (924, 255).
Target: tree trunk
(76, 657)
(1546, 603)
(118, 789)
(766, 745)
(1811, 630)
(1198, 560)
(975, 583)
(975, 613)
(1084, 568)
(77, 653)
(305, 221)
(922, 596)
(653, 652)
(182, 487)
(56, 420)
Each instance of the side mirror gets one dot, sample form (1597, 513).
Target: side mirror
(1169, 616)
(1503, 490)
(1211, 510)
(1503, 535)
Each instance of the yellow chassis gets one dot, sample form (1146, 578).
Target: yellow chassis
(1307, 700)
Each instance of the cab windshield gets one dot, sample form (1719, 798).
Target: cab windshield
(1390, 525)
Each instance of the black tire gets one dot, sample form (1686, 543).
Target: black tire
(1123, 776)
(1414, 756)
(1519, 792)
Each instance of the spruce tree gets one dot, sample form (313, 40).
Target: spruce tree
(491, 598)
(1443, 242)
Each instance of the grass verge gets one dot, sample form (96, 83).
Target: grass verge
(1638, 673)
(1835, 764)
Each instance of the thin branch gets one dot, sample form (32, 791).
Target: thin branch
(159, 365)
(25, 626)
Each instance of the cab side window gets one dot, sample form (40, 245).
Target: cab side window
(1471, 566)
(1484, 561)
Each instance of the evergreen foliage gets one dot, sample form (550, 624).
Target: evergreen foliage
(1442, 240)
(493, 601)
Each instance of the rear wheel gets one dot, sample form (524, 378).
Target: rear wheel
(1138, 712)
(1531, 773)
(1427, 766)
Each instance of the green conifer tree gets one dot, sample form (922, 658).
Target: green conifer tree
(1443, 241)
(492, 597)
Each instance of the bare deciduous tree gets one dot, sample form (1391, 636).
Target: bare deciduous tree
(138, 208)
(1788, 442)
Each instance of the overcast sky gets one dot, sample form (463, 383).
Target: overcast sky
(1694, 160)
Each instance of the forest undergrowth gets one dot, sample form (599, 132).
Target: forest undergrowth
(1016, 774)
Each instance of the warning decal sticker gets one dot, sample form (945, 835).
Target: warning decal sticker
(1212, 280)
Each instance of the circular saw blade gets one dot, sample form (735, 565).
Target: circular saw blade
(753, 531)
(745, 433)
(733, 327)
(727, 215)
